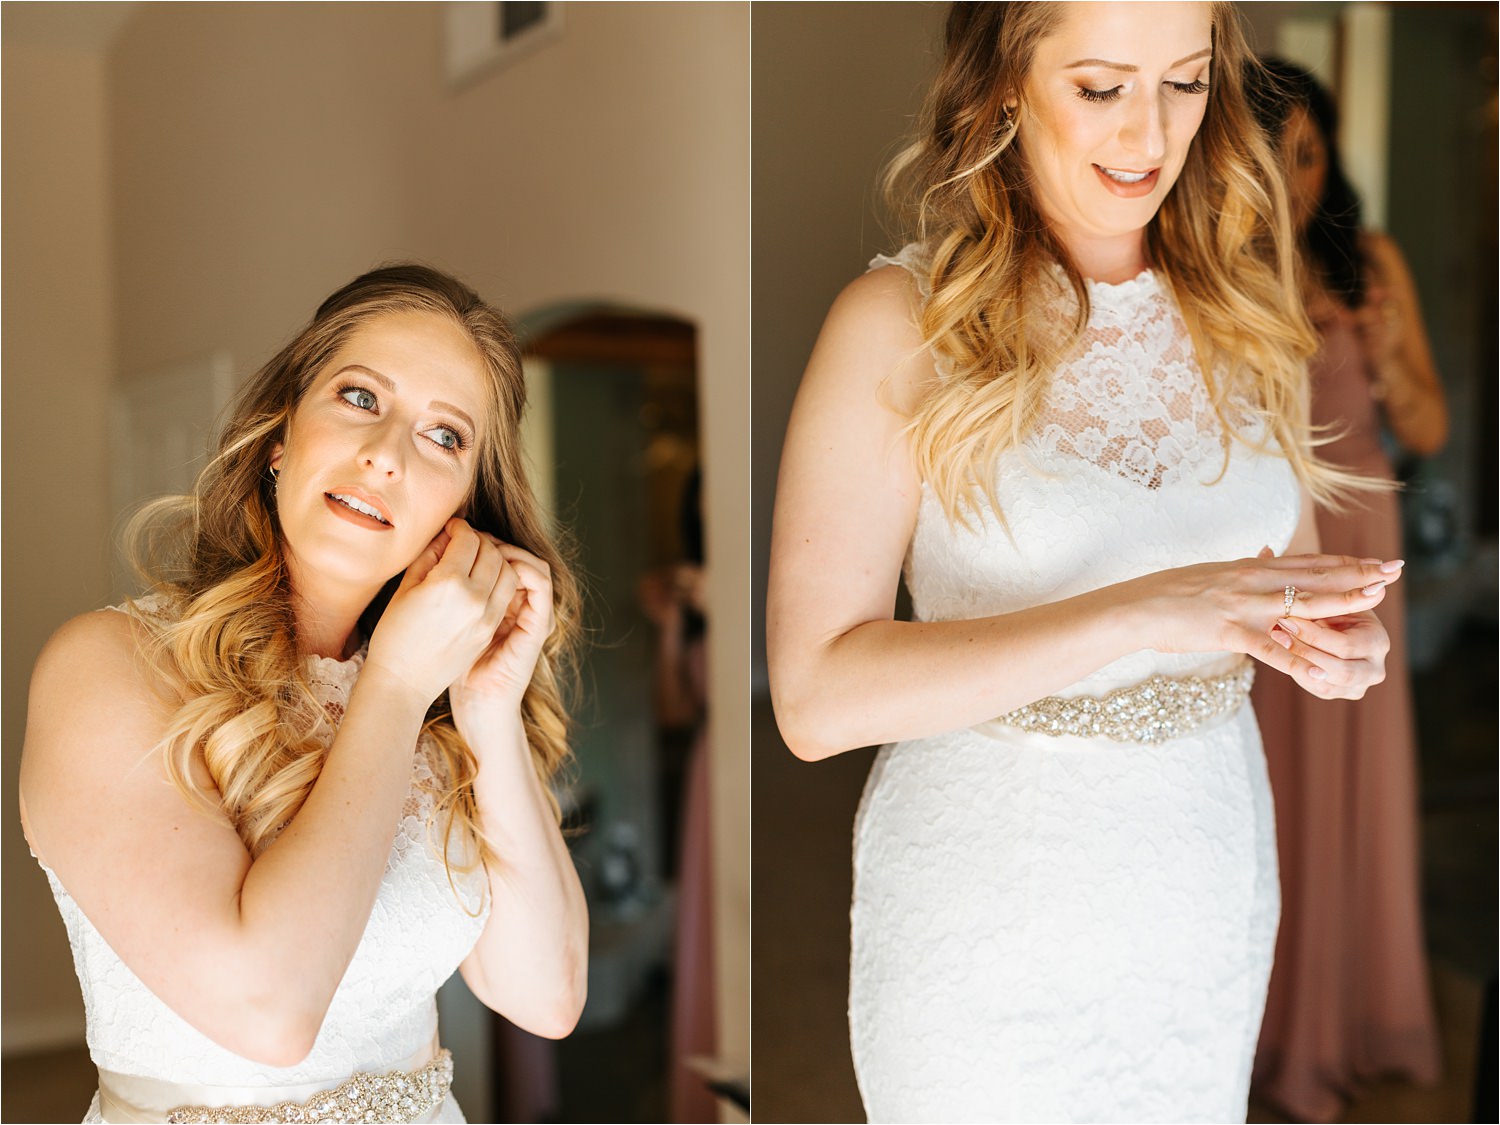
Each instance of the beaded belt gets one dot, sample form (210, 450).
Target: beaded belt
(394, 1096)
(1152, 711)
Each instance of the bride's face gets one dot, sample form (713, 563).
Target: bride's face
(1113, 100)
(381, 450)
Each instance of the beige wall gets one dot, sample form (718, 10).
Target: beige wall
(56, 362)
(836, 86)
(261, 155)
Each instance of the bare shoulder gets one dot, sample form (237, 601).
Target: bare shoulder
(871, 342)
(96, 655)
(94, 713)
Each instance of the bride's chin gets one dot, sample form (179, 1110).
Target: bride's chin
(336, 573)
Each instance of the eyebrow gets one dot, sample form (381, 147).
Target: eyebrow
(1131, 69)
(390, 385)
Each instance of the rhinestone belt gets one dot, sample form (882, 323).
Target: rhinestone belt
(1154, 710)
(398, 1096)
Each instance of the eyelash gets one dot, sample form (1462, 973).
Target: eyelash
(461, 440)
(1091, 95)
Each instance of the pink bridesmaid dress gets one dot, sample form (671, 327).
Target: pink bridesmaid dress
(1349, 995)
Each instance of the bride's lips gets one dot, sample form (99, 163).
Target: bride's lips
(359, 519)
(1128, 191)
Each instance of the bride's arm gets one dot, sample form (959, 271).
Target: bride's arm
(844, 674)
(249, 952)
(530, 963)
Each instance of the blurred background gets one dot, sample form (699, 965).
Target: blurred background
(183, 183)
(836, 89)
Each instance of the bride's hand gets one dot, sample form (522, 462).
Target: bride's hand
(497, 680)
(1235, 607)
(445, 612)
(1340, 656)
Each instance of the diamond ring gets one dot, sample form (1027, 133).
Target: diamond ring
(1291, 596)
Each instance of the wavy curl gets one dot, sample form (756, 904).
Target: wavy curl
(1222, 241)
(225, 645)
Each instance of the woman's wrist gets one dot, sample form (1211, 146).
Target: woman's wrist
(399, 696)
(487, 720)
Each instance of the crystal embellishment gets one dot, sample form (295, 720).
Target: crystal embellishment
(1152, 711)
(399, 1096)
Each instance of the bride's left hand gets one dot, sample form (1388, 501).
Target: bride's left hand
(1348, 650)
(498, 679)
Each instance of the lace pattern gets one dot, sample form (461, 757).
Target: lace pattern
(385, 1008)
(1155, 430)
(1066, 928)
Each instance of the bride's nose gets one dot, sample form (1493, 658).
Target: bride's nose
(1144, 131)
(381, 451)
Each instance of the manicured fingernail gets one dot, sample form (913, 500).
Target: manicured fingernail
(1392, 567)
(1316, 673)
(1281, 638)
(1290, 626)
(1372, 589)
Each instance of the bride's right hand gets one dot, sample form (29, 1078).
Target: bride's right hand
(1236, 607)
(444, 613)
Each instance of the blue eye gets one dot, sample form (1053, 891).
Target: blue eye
(445, 438)
(358, 397)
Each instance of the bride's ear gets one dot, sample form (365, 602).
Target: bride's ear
(278, 450)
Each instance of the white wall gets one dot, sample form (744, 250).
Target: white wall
(261, 155)
(56, 359)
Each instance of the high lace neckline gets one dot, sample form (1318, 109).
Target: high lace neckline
(334, 670)
(1143, 284)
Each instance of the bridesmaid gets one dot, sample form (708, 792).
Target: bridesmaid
(1349, 995)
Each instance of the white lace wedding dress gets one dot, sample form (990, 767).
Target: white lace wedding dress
(383, 1016)
(1066, 928)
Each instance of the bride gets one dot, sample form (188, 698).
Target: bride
(313, 764)
(1073, 412)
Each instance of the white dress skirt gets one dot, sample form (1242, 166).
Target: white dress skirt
(1073, 928)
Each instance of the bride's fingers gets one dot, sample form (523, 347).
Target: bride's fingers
(1311, 605)
(1375, 568)
(1345, 643)
(1328, 675)
(1270, 651)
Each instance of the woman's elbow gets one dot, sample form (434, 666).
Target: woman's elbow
(553, 1016)
(558, 1020)
(548, 1003)
(1434, 436)
(808, 728)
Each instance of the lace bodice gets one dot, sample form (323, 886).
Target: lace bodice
(1123, 475)
(385, 1008)
(1071, 928)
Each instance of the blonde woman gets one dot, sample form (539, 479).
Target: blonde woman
(314, 762)
(1073, 412)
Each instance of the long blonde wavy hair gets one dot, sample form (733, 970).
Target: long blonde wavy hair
(226, 645)
(1222, 242)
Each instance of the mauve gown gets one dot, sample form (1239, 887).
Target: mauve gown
(1349, 995)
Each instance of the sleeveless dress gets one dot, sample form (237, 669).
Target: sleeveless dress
(383, 1016)
(1066, 928)
(1349, 997)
